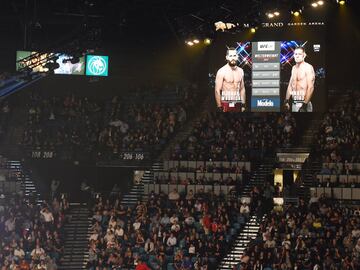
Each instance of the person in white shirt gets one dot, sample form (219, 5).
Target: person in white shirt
(19, 253)
(171, 240)
(119, 232)
(38, 253)
(174, 195)
(244, 209)
(47, 215)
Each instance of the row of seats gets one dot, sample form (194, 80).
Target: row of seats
(195, 164)
(351, 166)
(185, 189)
(196, 175)
(338, 179)
(336, 193)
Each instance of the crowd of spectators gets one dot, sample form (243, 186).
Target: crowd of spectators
(339, 135)
(142, 127)
(80, 127)
(339, 168)
(168, 231)
(318, 235)
(69, 123)
(31, 235)
(150, 126)
(236, 137)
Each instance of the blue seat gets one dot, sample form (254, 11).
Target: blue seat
(170, 266)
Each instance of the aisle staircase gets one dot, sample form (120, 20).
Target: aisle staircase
(251, 228)
(137, 190)
(23, 182)
(258, 177)
(77, 233)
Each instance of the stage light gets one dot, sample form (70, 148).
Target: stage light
(253, 30)
(341, 2)
(189, 43)
(195, 41)
(271, 14)
(320, 3)
(314, 4)
(296, 13)
(207, 41)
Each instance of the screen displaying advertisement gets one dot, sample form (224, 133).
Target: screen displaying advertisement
(38, 61)
(97, 65)
(269, 75)
(69, 68)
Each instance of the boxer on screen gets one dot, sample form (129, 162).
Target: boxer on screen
(301, 84)
(229, 85)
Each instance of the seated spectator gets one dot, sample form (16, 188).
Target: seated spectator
(174, 195)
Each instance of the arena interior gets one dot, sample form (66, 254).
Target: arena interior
(179, 135)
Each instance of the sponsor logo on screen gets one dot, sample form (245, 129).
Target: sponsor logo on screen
(97, 65)
(264, 103)
(266, 46)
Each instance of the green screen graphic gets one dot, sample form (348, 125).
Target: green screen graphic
(97, 65)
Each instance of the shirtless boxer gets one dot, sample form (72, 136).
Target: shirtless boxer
(229, 85)
(301, 84)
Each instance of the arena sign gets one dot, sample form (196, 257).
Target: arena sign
(292, 157)
(222, 26)
(97, 65)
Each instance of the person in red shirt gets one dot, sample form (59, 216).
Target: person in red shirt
(141, 265)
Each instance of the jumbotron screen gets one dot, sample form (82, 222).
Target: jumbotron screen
(66, 66)
(269, 75)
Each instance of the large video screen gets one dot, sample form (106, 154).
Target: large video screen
(269, 75)
(24, 60)
(66, 64)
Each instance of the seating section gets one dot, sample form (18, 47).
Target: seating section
(73, 127)
(320, 235)
(236, 137)
(338, 138)
(66, 126)
(31, 235)
(202, 172)
(339, 175)
(167, 231)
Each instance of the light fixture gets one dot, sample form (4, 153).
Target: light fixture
(253, 30)
(296, 13)
(207, 41)
(317, 3)
(189, 43)
(341, 2)
(271, 14)
(196, 41)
